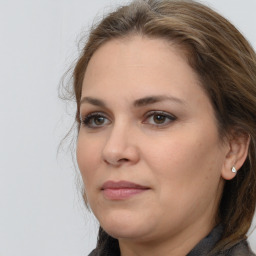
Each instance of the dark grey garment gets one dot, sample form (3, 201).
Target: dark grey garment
(203, 248)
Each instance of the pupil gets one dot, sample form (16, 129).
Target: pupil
(99, 120)
(159, 119)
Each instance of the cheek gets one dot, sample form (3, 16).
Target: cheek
(88, 158)
(182, 158)
(187, 173)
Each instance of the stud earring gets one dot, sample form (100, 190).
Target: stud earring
(233, 169)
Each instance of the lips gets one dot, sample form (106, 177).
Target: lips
(121, 190)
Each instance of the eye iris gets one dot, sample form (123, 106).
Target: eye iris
(99, 120)
(159, 119)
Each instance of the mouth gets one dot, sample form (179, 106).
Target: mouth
(121, 190)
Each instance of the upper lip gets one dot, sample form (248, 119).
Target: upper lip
(121, 184)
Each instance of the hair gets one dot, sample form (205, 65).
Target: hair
(226, 66)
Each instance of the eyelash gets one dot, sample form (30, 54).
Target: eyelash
(88, 119)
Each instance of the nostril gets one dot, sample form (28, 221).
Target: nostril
(118, 162)
(117, 155)
(123, 160)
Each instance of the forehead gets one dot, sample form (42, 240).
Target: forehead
(135, 50)
(137, 62)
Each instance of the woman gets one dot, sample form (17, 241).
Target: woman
(166, 101)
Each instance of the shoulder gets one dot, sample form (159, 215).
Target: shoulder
(240, 249)
(93, 253)
(96, 252)
(104, 252)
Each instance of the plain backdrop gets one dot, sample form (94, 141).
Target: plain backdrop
(41, 213)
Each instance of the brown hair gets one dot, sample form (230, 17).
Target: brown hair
(226, 66)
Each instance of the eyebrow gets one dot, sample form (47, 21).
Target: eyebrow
(137, 103)
(93, 101)
(154, 99)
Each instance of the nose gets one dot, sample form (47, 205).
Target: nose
(120, 147)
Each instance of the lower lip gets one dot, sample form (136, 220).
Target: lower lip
(122, 193)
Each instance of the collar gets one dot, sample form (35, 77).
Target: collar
(207, 244)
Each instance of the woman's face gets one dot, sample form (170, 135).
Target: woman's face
(148, 147)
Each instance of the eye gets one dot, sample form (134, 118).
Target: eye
(95, 120)
(159, 118)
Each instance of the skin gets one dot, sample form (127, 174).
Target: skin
(182, 161)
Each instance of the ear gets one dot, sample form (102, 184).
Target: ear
(237, 151)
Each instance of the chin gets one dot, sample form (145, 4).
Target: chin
(123, 224)
(121, 233)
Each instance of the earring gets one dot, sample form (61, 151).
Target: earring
(233, 169)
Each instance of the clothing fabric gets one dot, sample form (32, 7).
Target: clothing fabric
(203, 248)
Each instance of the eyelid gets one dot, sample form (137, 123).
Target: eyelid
(93, 113)
(160, 112)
